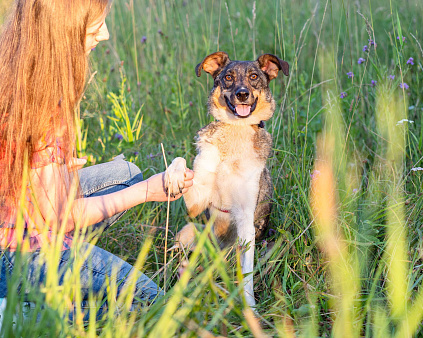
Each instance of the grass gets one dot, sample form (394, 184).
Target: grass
(344, 253)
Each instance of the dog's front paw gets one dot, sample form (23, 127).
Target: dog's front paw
(175, 177)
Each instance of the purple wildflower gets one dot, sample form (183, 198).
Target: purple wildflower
(361, 60)
(410, 61)
(373, 83)
(272, 232)
(392, 77)
(371, 42)
(350, 74)
(136, 153)
(403, 85)
(93, 48)
(190, 103)
(365, 48)
(343, 94)
(403, 38)
(118, 136)
(160, 32)
(143, 39)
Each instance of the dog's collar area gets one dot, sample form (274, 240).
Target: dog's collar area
(224, 210)
(221, 210)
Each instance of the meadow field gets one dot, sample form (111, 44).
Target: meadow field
(343, 255)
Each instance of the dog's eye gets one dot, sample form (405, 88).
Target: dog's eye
(228, 78)
(253, 76)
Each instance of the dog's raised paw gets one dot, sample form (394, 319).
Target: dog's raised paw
(175, 177)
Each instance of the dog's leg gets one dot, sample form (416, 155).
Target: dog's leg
(246, 233)
(200, 195)
(244, 197)
(247, 261)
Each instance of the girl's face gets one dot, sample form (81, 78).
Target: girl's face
(96, 32)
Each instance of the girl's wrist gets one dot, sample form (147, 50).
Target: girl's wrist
(154, 190)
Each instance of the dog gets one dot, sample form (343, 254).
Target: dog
(231, 180)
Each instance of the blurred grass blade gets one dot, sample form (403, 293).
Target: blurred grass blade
(390, 109)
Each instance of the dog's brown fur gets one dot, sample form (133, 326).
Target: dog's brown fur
(231, 180)
(229, 140)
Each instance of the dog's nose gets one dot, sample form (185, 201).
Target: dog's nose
(242, 94)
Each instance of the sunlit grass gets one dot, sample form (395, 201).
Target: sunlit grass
(4, 8)
(344, 255)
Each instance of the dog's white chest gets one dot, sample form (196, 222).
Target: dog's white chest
(231, 154)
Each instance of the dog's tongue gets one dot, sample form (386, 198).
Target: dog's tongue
(243, 109)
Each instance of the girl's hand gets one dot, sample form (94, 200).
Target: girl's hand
(156, 187)
(76, 163)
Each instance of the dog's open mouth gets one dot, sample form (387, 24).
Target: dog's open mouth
(241, 110)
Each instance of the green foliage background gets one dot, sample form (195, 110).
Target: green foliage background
(143, 87)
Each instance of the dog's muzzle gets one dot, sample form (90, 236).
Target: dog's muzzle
(241, 110)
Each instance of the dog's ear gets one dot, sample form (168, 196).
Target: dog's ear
(213, 63)
(271, 65)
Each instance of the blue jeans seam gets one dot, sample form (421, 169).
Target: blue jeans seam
(105, 185)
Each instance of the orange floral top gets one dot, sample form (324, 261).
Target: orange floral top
(50, 150)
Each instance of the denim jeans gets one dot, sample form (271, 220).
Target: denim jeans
(100, 266)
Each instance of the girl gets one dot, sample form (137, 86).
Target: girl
(44, 48)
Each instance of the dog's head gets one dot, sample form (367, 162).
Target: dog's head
(241, 93)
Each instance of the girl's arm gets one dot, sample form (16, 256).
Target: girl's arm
(52, 194)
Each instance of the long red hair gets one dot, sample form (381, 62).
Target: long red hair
(43, 65)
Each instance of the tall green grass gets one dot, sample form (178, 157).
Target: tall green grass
(344, 252)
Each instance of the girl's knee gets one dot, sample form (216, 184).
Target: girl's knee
(134, 172)
(126, 169)
(102, 176)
